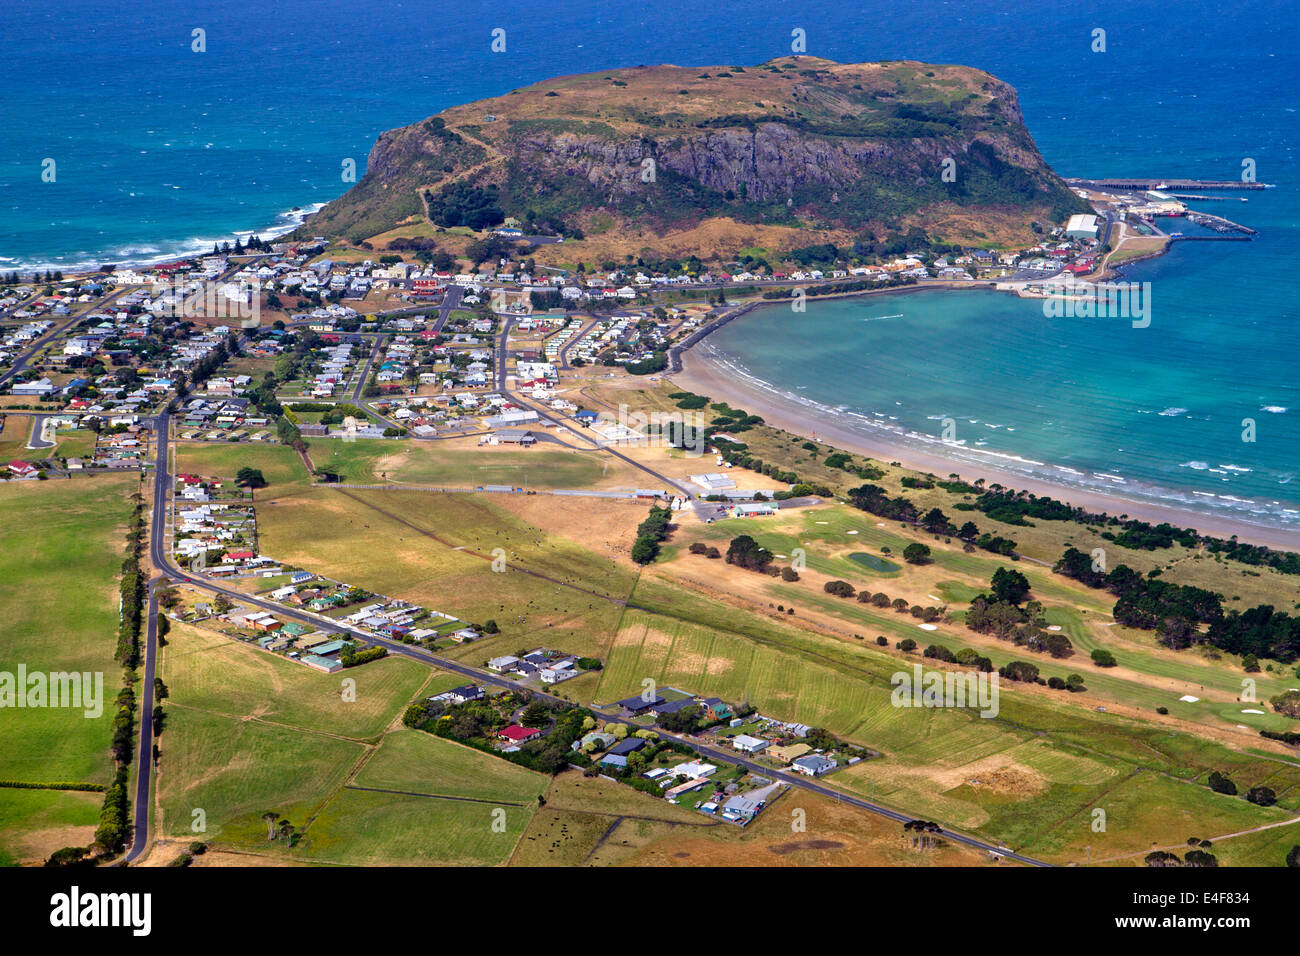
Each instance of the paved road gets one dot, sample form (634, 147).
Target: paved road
(158, 556)
(38, 429)
(577, 432)
(363, 374)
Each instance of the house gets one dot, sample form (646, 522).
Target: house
(41, 386)
(716, 709)
(502, 664)
(627, 746)
(694, 770)
(556, 675)
(22, 469)
(672, 707)
(813, 765)
(515, 734)
(322, 664)
(750, 745)
(599, 738)
(637, 704)
(466, 692)
(513, 436)
(788, 754)
(741, 808)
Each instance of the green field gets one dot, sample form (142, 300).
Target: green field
(59, 578)
(436, 550)
(416, 762)
(431, 463)
(233, 770)
(248, 732)
(1025, 778)
(221, 675)
(279, 464)
(365, 828)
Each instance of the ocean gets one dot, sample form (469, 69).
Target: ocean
(159, 150)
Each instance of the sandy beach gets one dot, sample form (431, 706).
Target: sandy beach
(701, 374)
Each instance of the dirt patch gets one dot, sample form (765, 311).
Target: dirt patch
(781, 849)
(1010, 782)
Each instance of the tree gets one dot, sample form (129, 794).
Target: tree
(645, 550)
(916, 553)
(535, 714)
(250, 478)
(745, 552)
(839, 588)
(1287, 703)
(1010, 586)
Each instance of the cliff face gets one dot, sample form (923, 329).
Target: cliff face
(867, 148)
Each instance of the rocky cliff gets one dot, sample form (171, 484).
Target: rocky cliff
(793, 145)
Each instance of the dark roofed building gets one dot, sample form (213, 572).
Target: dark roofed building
(626, 746)
(639, 704)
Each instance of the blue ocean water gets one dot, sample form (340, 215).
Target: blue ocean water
(159, 150)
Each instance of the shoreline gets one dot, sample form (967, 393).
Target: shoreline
(283, 223)
(695, 370)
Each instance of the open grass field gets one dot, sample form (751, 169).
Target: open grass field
(434, 463)
(13, 438)
(366, 828)
(437, 550)
(35, 823)
(417, 762)
(592, 822)
(1019, 778)
(247, 732)
(234, 770)
(279, 464)
(829, 536)
(74, 443)
(220, 675)
(59, 580)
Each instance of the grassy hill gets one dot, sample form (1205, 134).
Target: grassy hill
(790, 153)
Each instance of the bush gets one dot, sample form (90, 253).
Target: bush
(1261, 796)
(1103, 658)
(1219, 783)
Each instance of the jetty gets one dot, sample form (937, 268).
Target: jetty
(1220, 225)
(1163, 185)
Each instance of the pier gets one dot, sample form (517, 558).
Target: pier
(1139, 182)
(1219, 224)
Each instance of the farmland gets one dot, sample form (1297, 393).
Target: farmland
(249, 732)
(60, 593)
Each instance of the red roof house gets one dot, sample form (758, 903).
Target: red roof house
(516, 734)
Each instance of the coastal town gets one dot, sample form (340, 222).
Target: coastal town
(434, 527)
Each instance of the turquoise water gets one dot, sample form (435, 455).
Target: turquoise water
(1092, 402)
